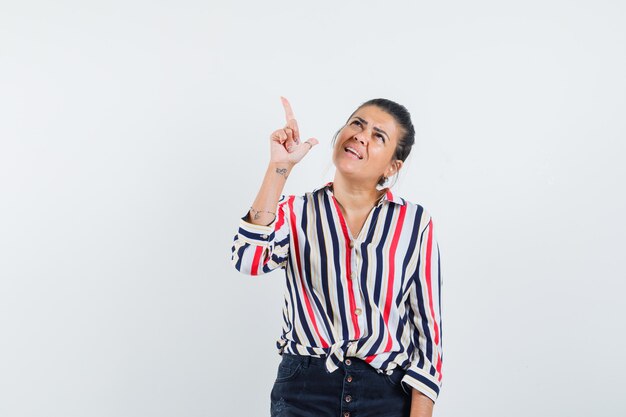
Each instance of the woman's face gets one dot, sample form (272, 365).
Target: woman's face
(366, 145)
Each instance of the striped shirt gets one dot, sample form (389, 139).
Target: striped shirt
(375, 296)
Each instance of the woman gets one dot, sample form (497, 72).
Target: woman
(361, 319)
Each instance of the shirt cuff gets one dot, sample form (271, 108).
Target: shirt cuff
(422, 381)
(255, 234)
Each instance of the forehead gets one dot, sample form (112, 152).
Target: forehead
(377, 117)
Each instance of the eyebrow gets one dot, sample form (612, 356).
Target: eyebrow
(374, 128)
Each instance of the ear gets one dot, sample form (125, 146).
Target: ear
(394, 168)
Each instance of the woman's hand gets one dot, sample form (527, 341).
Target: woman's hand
(286, 147)
(421, 405)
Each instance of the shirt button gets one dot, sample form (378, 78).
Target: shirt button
(353, 275)
(358, 311)
(351, 244)
(348, 362)
(346, 414)
(264, 236)
(349, 378)
(348, 398)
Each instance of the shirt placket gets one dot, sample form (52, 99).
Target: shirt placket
(359, 307)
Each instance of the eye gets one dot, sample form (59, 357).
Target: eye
(381, 137)
(356, 122)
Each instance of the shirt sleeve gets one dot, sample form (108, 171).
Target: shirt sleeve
(424, 372)
(260, 249)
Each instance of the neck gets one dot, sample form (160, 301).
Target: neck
(355, 196)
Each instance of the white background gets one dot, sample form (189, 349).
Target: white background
(134, 134)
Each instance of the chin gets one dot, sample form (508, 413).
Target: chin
(351, 172)
(345, 166)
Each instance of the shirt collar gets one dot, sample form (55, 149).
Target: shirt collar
(388, 196)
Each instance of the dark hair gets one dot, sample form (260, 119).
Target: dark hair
(402, 117)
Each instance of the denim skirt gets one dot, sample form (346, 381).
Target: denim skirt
(303, 388)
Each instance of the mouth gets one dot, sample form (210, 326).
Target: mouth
(353, 151)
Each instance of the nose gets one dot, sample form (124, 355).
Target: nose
(360, 137)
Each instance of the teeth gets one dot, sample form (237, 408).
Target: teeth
(349, 149)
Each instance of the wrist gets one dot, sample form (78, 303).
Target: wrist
(280, 168)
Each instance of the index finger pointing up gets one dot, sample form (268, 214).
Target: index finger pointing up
(288, 111)
(291, 119)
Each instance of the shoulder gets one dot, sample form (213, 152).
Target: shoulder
(416, 211)
(307, 197)
(295, 202)
(303, 203)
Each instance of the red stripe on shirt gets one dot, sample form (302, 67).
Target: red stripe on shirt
(348, 249)
(254, 270)
(429, 251)
(281, 216)
(392, 273)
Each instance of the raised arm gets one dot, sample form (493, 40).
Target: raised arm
(286, 150)
(262, 241)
